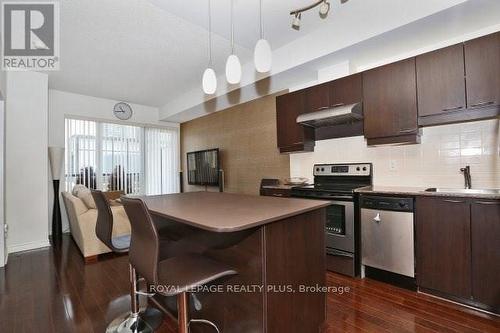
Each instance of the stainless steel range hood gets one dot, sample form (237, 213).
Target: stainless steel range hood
(332, 116)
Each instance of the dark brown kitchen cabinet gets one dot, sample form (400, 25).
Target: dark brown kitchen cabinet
(317, 97)
(347, 90)
(292, 137)
(482, 68)
(390, 103)
(486, 253)
(441, 85)
(443, 227)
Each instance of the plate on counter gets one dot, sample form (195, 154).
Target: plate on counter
(296, 181)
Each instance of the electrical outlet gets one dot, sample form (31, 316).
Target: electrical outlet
(393, 165)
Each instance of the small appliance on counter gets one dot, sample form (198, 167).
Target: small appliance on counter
(337, 182)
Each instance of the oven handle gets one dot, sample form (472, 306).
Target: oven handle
(339, 253)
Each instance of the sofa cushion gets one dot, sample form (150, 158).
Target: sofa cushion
(77, 204)
(82, 192)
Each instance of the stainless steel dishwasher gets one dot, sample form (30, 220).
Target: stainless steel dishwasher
(387, 234)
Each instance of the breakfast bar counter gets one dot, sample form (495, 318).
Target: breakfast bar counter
(276, 245)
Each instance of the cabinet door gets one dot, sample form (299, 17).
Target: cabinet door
(318, 97)
(390, 100)
(482, 68)
(485, 226)
(441, 81)
(347, 90)
(292, 136)
(443, 245)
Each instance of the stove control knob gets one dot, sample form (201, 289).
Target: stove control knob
(364, 168)
(402, 204)
(322, 169)
(317, 169)
(357, 169)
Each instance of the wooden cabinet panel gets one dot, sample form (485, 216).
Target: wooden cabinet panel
(318, 97)
(347, 90)
(444, 245)
(390, 100)
(292, 136)
(482, 67)
(441, 81)
(485, 226)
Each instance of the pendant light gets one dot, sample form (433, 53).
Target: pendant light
(262, 55)
(233, 65)
(209, 80)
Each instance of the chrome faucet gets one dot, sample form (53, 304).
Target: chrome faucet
(467, 178)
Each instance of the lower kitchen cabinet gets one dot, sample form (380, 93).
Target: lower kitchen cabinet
(458, 249)
(486, 253)
(444, 245)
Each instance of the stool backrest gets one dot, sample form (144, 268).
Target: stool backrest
(144, 244)
(104, 225)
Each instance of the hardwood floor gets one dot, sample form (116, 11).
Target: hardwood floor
(54, 291)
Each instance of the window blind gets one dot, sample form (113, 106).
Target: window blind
(111, 157)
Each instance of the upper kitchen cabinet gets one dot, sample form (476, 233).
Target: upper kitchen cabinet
(390, 104)
(482, 68)
(347, 90)
(317, 97)
(441, 85)
(292, 137)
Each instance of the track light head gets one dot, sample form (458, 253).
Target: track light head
(324, 8)
(296, 21)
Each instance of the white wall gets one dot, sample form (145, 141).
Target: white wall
(436, 162)
(26, 162)
(63, 104)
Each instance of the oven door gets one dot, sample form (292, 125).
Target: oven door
(340, 226)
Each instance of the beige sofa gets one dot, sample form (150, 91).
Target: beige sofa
(82, 222)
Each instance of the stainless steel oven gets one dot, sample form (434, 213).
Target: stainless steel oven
(336, 183)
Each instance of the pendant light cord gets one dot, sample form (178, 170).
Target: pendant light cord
(261, 22)
(209, 34)
(232, 27)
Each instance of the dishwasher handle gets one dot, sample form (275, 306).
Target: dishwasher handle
(377, 218)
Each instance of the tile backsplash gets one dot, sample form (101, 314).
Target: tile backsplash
(435, 162)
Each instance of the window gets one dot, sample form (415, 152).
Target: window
(110, 157)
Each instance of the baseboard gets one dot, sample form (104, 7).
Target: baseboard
(28, 246)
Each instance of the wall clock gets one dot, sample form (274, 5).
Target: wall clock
(122, 111)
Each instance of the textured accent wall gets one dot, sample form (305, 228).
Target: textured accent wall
(246, 137)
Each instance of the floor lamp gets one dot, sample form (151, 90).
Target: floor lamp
(56, 156)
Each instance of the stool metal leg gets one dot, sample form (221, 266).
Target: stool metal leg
(136, 321)
(182, 312)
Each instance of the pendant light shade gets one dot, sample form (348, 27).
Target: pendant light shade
(233, 65)
(209, 81)
(233, 69)
(262, 55)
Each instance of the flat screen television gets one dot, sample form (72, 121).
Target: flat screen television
(203, 167)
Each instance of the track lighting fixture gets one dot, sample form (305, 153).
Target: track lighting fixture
(324, 8)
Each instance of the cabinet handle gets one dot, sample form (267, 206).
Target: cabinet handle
(453, 108)
(408, 130)
(377, 218)
(482, 104)
(453, 201)
(487, 202)
(277, 195)
(322, 108)
(338, 104)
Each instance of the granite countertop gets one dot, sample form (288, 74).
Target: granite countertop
(227, 212)
(420, 191)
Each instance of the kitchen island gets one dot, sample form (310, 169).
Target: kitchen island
(276, 245)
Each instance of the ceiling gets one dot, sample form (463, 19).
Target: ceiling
(153, 52)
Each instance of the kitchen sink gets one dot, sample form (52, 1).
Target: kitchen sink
(463, 190)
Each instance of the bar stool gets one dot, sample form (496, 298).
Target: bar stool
(174, 276)
(135, 320)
